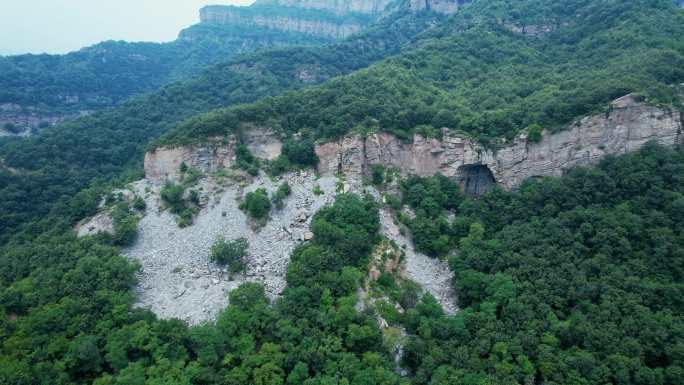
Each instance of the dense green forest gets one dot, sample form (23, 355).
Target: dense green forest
(41, 174)
(107, 73)
(577, 280)
(477, 74)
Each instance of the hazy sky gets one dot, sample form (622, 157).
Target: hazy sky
(60, 26)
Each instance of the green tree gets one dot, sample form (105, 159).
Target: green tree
(257, 204)
(230, 253)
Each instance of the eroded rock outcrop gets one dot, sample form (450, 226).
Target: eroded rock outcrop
(165, 162)
(217, 153)
(24, 120)
(326, 18)
(288, 22)
(441, 6)
(336, 6)
(626, 127)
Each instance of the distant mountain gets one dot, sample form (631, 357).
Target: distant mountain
(72, 154)
(492, 72)
(37, 91)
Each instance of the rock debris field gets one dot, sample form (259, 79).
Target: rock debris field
(178, 280)
(432, 274)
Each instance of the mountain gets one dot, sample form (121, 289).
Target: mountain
(37, 91)
(494, 195)
(117, 138)
(296, 16)
(488, 72)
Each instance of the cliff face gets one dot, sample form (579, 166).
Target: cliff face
(330, 18)
(23, 120)
(336, 6)
(627, 127)
(218, 153)
(441, 6)
(287, 21)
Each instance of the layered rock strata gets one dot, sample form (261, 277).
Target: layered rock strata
(627, 126)
(440, 6)
(216, 154)
(336, 6)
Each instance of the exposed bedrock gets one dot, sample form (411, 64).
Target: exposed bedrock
(216, 154)
(337, 6)
(441, 6)
(627, 126)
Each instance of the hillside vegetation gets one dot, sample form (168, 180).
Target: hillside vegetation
(105, 74)
(479, 74)
(575, 280)
(61, 161)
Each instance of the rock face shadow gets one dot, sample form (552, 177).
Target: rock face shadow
(476, 179)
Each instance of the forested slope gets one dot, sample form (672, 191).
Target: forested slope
(58, 163)
(491, 71)
(575, 280)
(103, 75)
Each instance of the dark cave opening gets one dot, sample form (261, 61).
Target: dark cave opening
(476, 179)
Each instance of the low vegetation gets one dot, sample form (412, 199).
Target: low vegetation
(283, 191)
(185, 206)
(257, 205)
(230, 253)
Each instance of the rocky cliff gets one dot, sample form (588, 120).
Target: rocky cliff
(288, 18)
(23, 120)
(336, 6)
(330, 18)
(441, 6)
(628, 125)
(214, 155)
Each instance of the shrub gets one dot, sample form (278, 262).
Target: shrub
(246, 161)
(300, 153)
(172, 196)
(378, 174)
(534, 133)
(257, 204)
(279, 165)
(191, 176)
(283, 192)
(125, 224)
(393, 202)
(139, 204)
(230, 253)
